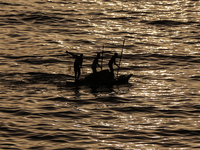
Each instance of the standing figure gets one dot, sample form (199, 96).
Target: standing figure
(77, 64)
(111, 62)
(96, 63)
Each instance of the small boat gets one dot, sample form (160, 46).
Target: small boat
(101, 78)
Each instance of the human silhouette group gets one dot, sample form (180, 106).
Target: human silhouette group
(79, 61)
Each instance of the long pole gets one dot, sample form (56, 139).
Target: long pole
(120, 57)
(102, 57)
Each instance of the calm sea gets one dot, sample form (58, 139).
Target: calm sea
(159, 108)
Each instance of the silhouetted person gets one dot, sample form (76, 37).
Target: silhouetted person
(77, 64)
(113, 61)
(96, 63)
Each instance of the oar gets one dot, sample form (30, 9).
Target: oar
(102, 58)
(120, 58)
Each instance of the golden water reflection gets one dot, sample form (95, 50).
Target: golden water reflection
(157, 109)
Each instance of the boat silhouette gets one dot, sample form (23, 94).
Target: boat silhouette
(101, 78)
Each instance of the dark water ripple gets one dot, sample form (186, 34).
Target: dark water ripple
(169, 22)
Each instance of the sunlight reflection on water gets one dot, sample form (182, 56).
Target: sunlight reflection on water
(159, 107)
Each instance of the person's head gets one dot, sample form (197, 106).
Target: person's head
(116, 55)
(98, 55)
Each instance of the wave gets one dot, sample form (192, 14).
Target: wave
(6, 3)
(168, 22)
(195, 77)
(165, 57)
(135, 109)
(41, 61)
(178, 132)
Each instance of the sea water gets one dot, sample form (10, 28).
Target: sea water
(159, 107)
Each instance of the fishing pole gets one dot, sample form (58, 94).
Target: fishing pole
(121, 57)
(102, 57)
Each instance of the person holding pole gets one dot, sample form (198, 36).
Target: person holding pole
(113, 61)
(77, 64)
(96, 63)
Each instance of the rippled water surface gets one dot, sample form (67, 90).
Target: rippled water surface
(159, 107)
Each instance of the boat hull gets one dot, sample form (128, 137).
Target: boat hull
(100, 79)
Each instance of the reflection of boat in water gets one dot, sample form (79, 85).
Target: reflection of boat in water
(101, 78)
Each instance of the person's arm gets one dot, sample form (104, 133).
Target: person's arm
(116, 64)
(81, 64)
(71, 54)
